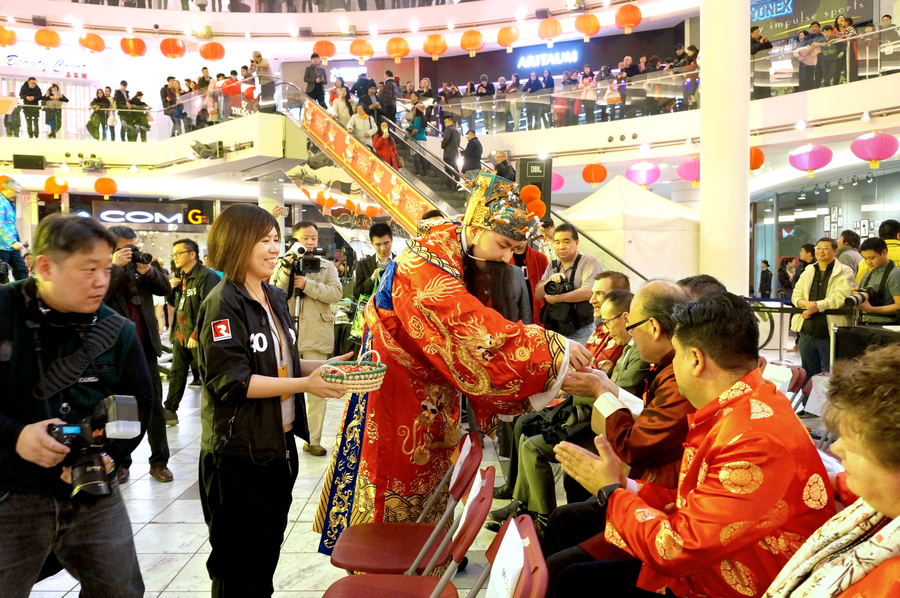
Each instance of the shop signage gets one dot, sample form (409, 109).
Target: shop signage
(45, 61)
(531, 61)
(348, 73)
(771, 9)
(786, 18)
(150, 213)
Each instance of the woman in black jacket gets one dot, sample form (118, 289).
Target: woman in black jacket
(99, 113)
(547, 81)
(251, 409)
(532, 90)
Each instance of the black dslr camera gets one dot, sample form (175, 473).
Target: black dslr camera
(861, 296)
(138, 256)
(558, 288)
(115, 417)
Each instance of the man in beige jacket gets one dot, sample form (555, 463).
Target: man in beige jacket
(315, 329)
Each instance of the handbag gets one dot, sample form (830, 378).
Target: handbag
(54, 104)
(111, 120)
(612, 95)
(400, 162)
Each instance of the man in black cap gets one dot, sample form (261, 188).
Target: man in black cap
(680, 56)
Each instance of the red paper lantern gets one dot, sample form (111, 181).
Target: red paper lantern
(7, 37)
(325, 49)
(105, 186)
(587, 25)
(689, 170)
(330, 202)
(530, 193)
(643, 174)
(628, 16)
(231, 87)
(471, 42)
(362, 50)
(548, 29)
(373, 211)
(92, 42)
(56, 185)
(397, 48)
(212, 51)
(507, 37)
(47, 38)
(874, 146)
(810, 157)
(250, 93)
(435, 44)
(172, 47)
(556, 182)
(594, 174)
(133, 46)
(320, 198)
(757, 158)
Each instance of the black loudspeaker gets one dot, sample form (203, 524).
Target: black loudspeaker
(542, 13)
(23, 162)
(39, 21)
(537, 172)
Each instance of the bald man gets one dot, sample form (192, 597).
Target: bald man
(504, 168)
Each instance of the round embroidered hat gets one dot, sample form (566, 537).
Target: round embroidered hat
(495, 206)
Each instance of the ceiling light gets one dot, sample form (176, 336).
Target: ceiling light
(373, 29)
(855, 180)
(129, 31)
(542, 154)
(199, 27)
(292, 31)
(689, 141)
(827, 187)
(768, 209)
(663, 165)
(450, 26)
(801, 124)
(606, 3)
(10, 19)
(247, 35)
(413, 26)
(865, 116)
(840, 183)
(816, 189)
(188, 33)
(133, 168)
(65, 167)
(521, 14)
(645, 147)
(870, 177)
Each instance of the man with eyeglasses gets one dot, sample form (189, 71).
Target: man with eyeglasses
(646, 432)
(191, 284)
(821, 287)
(604, 350)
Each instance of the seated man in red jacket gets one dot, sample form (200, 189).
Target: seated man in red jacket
(751, 489)
(603, 347)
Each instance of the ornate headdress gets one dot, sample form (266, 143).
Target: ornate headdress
(494, 206)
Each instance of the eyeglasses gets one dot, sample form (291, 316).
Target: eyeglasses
(631, 327)
(177, 253)
(605, 323)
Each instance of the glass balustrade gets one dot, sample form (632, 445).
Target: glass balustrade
(273, 6)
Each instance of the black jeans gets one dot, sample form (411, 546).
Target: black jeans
(91, 539)
(182, 358)
(608, 579)
(570, 525)
(32, 119)
(156, 430)
(13, 257)
(246, 506)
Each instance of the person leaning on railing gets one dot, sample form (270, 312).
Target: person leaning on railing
(99, 111)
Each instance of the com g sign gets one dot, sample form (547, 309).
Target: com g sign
(152, 216)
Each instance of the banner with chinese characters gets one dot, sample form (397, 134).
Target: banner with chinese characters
(404, 203)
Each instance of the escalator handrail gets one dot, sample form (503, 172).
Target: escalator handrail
(608, 252)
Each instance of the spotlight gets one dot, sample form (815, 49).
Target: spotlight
(450, 26)
(645, 147)
(689, 141)
(542, 154)
(865, 116)
(816, 189)
(247, 35)
(840, 183)
(493, 152)
(65, 167)
(208, 150)
(855, 180)
(129, 31)
(413, 27)
(870, 177)
(827, 187)
(802, 194)
(133, 168)
(801, 124)
(373, 30)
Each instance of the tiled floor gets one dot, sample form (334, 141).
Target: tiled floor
(171, 538)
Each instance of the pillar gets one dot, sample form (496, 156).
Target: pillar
(271, 194)
(725, 142)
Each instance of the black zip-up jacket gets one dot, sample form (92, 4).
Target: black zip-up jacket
(119, 297)
(200, 282)
(122, 370)
(233, 326)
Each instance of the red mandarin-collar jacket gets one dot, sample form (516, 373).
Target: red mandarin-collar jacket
(752, 488)
(605, 352)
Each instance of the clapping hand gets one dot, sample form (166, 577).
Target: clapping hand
(591, 471)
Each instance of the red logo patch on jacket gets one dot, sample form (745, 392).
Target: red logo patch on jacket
(221, 330)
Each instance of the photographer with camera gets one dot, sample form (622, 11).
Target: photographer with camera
(370, 269)
(190, 285)
(62, 355)
(889, 232)
(880, 287)
(10, 245)
(566, 287)
(316, 286)
(134, 281)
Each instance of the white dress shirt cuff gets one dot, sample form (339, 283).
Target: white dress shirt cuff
(608, 403)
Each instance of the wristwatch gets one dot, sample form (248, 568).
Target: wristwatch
(604, 493)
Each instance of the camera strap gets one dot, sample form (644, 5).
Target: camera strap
(66, 371)
(884, 278)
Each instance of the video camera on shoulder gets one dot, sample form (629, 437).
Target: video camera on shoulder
(115, 417)
(303, 261)
(138, 256)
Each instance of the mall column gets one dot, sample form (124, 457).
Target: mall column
(725, 142)
(271, 194)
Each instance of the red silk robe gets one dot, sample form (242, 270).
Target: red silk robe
(604, 350)
(752, 488)
(437, 340)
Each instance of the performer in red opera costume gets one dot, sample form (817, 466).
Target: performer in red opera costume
(439, 340)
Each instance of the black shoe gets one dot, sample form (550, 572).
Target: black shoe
(513, 509)
(463, 564)
(504, 492)
(195, 383)
(171, 418)
(493, 526)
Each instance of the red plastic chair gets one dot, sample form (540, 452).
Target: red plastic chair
(534, 578)
(795, 388)
(395, 548)
(414, 586)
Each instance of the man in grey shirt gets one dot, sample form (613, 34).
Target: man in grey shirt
(883, 278)
(579, 268)
(848, 250)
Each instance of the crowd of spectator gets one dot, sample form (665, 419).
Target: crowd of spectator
(283, 6)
